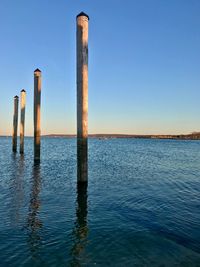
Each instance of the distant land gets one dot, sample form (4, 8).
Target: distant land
(191, 136)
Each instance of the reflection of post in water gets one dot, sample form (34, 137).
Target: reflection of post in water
(34, 223)
(17, 188)
(81, 229)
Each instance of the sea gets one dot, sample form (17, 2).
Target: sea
(141, 206)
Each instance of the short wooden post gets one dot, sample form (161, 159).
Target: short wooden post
(15, 123)
(22, 123)
(37, 107)
(82, 97)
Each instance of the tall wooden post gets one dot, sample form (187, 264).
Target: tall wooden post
(15, 123)
(37, 107)
(82, 97)
(22, 123)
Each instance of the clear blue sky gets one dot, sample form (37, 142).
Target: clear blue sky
(144, 64)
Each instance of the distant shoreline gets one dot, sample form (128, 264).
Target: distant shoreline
(192, 136)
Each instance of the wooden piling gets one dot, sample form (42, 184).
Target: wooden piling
(82, 97)
(37, 110)
(22, 123)
(15, 124)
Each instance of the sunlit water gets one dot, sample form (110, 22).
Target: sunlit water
(141, 206)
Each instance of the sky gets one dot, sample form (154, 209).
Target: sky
(144, 64)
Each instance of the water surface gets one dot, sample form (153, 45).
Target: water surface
(141, 206)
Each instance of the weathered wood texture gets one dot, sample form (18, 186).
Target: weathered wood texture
(37, 111)
(15, 124)
(22, 122)
(82, 97)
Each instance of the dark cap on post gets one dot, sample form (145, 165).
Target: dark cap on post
(16, 96)
(23, 91)
(37, 70)
(82, 14)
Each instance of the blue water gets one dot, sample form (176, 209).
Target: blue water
(141, 206)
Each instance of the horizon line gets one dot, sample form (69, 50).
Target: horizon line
(106, 134)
